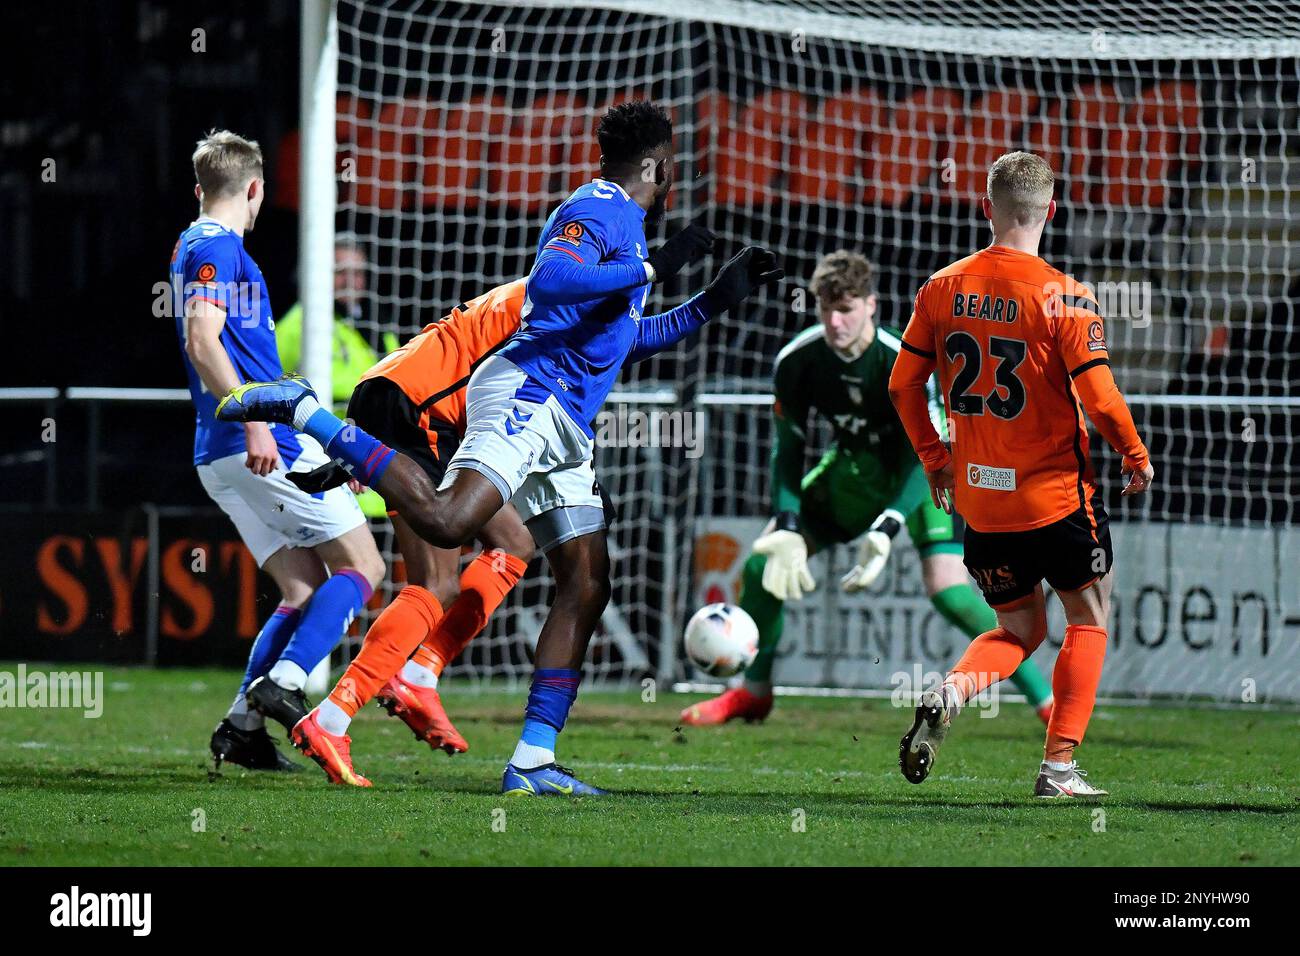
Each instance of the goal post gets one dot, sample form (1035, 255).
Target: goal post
(812, 125)
(318, 85)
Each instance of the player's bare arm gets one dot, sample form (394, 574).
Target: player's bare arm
(204, 322)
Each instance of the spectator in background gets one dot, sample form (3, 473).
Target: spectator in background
(351, 354)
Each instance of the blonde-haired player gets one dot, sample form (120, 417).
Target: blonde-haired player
(318, 550)
(1021, 354)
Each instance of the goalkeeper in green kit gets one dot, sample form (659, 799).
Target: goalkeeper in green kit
(868, 485)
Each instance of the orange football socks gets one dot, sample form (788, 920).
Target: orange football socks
(390, 640)
(991, 657)
(483, 586)
(1074, 685)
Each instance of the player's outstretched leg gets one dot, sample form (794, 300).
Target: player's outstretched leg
(582, 589)
(752, 700)
(447, 517)
(290, 400)
(991, 657)
(946, 583)
(967, 611)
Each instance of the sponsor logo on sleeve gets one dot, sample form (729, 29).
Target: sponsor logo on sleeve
(207, 272)
(1096, 338)
(572, 233)
(990, 478)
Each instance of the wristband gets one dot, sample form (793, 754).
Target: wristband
(889, 523)
(787, 521)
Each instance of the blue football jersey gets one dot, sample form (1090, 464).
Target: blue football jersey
(576, 349)
(210, 263)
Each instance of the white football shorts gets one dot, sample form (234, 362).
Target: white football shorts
(519, 438)
(270, 512)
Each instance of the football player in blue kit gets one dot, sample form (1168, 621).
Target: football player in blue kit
(528, 439)
(317, 548)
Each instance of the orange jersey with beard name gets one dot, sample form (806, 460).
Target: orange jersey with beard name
(433, 368)
(1020, 349)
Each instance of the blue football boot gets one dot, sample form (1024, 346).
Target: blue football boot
(265, 401)
(548, 780)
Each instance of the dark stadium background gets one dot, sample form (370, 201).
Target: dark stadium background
(117, 104)
(120, 99)
(119, 114)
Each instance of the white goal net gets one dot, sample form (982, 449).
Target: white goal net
(812, 126)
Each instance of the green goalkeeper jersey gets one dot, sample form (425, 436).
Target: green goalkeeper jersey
(853, 396)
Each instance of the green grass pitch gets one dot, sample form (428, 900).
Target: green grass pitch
(1191, 787)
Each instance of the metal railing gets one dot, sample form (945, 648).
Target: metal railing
(94, 399)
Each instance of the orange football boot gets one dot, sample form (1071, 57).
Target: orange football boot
(728, 705)
(333, 753)
(420, 708)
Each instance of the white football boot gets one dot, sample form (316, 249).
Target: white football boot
(1067, 783)
(920, 745)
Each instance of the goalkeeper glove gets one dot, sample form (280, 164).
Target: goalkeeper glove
(748, 271)
(873, 552)
(785, 575)
(679, 251)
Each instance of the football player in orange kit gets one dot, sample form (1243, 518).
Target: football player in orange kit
(414, 401)
(1019, 348)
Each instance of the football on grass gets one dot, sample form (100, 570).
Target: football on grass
(721, 639)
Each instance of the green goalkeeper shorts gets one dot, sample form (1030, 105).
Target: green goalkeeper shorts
(844, 494)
